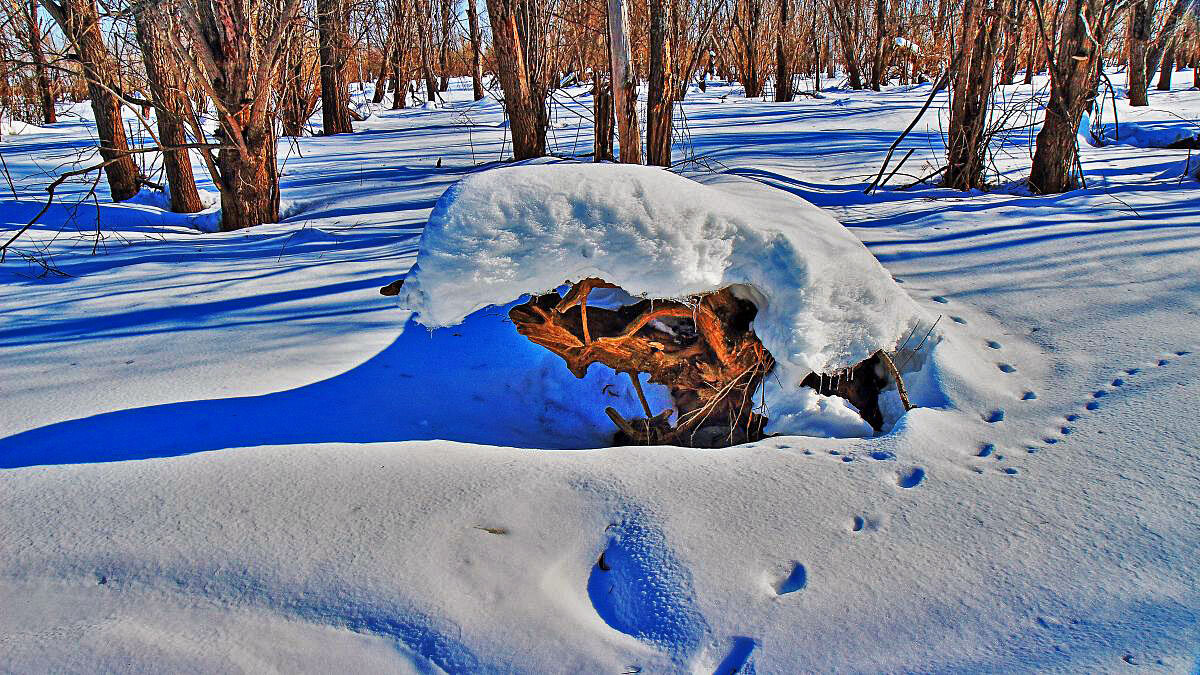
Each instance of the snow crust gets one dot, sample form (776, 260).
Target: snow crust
(824, 302)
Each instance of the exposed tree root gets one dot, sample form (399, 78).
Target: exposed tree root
(704, 351)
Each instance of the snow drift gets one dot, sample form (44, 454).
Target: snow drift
(824, 303)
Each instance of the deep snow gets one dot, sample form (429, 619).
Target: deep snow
(314, 485)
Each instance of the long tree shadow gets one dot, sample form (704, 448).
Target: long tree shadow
(479, 382)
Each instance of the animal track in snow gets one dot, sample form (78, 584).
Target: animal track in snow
(993, 344)
(640, 588)
(740, 658)
(1006, 368)
(1094, 399)
(985, 450)
(940, 299)
(910, 478)
(994, 416)
(796, 580)
(959, 320)
(858, 524)
(1029, 396)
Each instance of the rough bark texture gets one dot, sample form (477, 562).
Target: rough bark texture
(784, 90)
(602, 110)
(711, 360)
(167, 91)
(333, 35)
(81, 24)
(446, 14)
(476, 50)
(660, 102)
(250, 181)
(524, 104)
(624, 84)
(237, 69)
(1137, 39)
(1073, 74)
(878, 66)
(45, 91)
(972, 83)
(1168, 67)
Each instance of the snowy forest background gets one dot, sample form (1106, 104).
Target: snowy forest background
(222, 449)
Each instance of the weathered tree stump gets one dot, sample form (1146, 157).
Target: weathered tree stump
(704, 350)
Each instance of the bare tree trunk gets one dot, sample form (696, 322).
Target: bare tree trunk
(624, 85)
(842, 14)
(525, 113)
(877, 64)
(45, 92)
(659, 94)
(784, 91)
(167, 87)
(1168, 66)
(602, 111)
(385, 69)
(1074, 70)
(425, 36)
(972, 84)
(81, 24)
(237, 70)
(476, 51)
(1012, 42)
(1031, 64)
(447, 16)
(332, 34)
(1137, 39)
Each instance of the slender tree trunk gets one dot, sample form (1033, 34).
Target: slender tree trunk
(602, 110)
(45, 91)
(81, 24)
(447, 16)
(1072, 91)
(1137, 39)
(400, 92)
(525, 114)
(624, 85)
(1031, 64)
(166, 88)
(972, 84)
(425, 36)
(1012, 43)
(331, 50)
(384, 69)
(784, 91)
(877, 64)
(659, 103)
(1168, 67)
(476, 51)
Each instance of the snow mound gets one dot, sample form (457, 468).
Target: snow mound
(824, 302)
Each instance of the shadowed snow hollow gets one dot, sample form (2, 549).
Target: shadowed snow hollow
(824, 302)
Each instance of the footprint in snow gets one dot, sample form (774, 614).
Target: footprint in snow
(796, 580)
(994, 416)
(1029, 396)
(985, 450)
(993, 344)
(959, 320)
(1006, 368)
(858, 524)
(910, 478)
(940, 299)
(740, 658)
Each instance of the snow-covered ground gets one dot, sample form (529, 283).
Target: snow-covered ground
(228, 452)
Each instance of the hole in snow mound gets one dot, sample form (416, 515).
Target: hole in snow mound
(703, 349)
